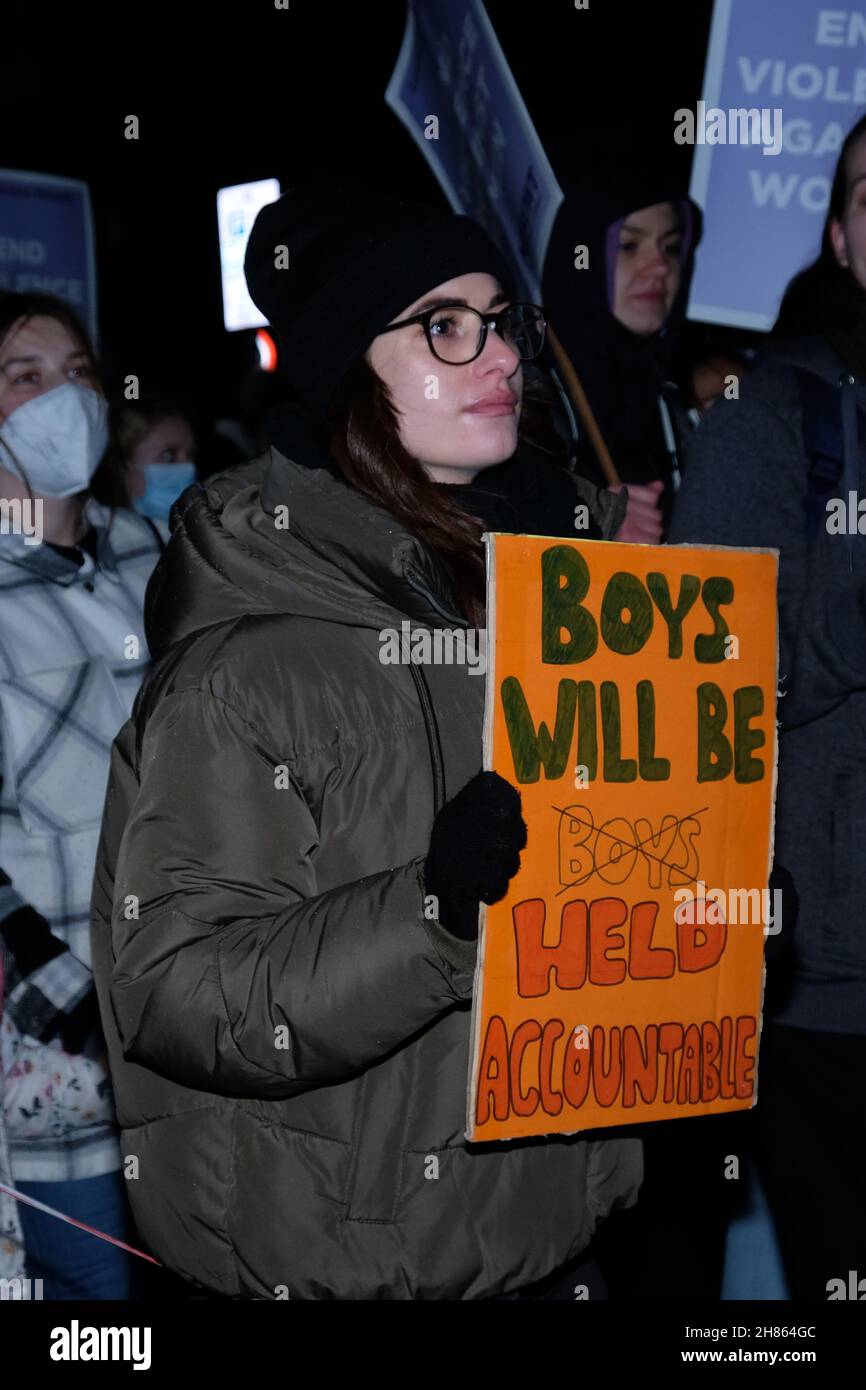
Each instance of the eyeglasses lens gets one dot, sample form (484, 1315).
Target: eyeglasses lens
(456, 333)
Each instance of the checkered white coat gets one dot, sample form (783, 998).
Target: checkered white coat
(72, 656)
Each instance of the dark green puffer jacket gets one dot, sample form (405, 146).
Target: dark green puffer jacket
(288, 1034)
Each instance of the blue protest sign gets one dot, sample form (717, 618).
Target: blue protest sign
(801, 69)
(454, 91)
(46, 239)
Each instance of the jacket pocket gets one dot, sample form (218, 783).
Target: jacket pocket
(383, 1117)
(57, 730)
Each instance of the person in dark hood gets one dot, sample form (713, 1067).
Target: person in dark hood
(297, 834)
(616, 283)
(783, 467)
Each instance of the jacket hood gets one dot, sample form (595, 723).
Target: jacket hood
(290, 536)
(811, 353)
(622, 372)
(590, 208)
(828, 420)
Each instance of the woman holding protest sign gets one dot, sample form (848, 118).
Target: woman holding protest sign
(783, 467)
(297, 835)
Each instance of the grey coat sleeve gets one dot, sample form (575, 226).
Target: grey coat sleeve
(745, 484)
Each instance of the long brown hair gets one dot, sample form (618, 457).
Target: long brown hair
(364, 441)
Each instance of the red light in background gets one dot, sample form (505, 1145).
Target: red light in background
(267, 350)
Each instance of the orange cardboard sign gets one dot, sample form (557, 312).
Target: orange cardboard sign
(631, 699)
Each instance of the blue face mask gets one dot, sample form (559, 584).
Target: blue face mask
(163, 484)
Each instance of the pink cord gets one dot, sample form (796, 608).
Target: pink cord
(82, 1225)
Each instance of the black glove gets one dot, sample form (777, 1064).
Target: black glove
(474, 851)
(75, 1028)
(29, 940)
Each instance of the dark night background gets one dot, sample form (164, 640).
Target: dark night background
(238, 91)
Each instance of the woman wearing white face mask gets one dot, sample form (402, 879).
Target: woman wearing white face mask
(72, 655)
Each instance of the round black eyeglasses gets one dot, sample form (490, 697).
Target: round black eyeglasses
(456, 333)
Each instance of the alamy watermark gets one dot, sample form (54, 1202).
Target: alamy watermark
(854, 1288)
(846, 518)
(22, 517)
(23, 1289)
(438, 646)
(715, 907)
(739, 125)
(77, 1343)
